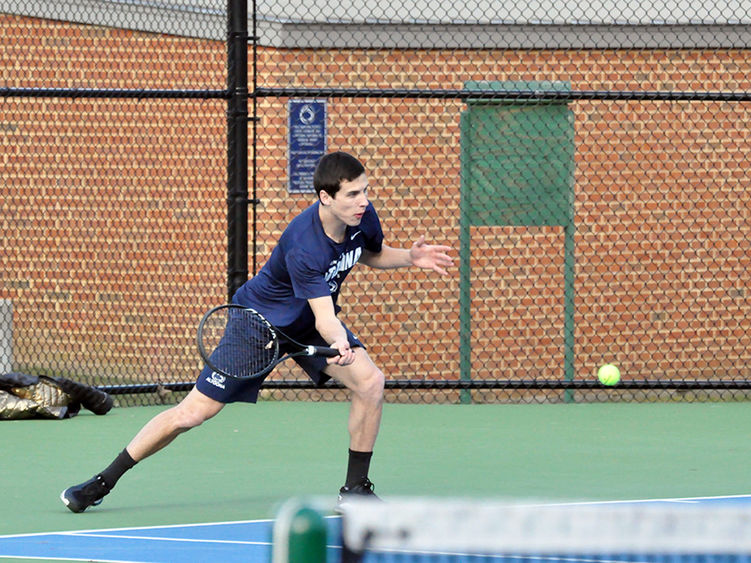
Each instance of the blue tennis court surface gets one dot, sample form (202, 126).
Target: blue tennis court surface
(211, 542)
(214, 542)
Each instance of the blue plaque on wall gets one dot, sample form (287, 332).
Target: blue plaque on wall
(306, 142)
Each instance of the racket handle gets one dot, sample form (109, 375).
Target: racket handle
(324, 351)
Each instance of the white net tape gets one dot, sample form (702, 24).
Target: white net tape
(462, 526)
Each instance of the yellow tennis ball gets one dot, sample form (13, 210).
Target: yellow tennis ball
(609, 374)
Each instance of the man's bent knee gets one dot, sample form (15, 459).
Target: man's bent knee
(362, 377)
(194, 410)
(371, 385)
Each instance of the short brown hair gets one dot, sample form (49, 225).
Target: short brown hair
(335, 168)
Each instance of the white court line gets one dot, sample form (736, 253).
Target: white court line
(155, 527)
(166, 526)
(16, 557)
(156, 538)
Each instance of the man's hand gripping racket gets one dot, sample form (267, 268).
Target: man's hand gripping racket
(238, 342)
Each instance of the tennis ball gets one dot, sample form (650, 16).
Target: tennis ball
(608, 374)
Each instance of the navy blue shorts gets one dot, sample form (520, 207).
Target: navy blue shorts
(229, 390)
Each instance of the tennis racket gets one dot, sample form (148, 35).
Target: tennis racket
(236, 341)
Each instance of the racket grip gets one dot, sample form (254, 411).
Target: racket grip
(324, 351)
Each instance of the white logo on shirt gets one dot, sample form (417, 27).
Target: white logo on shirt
(341, 264)
(353, 236)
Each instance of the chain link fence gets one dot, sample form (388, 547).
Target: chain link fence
(587, 164)
(114, 214)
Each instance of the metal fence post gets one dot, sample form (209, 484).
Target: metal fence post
(237, 145)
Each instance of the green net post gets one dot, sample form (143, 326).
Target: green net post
(299, 535)
(465, 298)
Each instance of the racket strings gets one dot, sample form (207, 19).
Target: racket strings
(240, 343)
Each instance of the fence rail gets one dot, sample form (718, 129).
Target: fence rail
(507, 95)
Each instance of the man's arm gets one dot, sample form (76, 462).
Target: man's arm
(429, 256)
(331, 329)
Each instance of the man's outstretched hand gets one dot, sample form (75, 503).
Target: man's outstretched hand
(431, 256)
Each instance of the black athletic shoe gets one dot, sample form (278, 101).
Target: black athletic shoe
(363, 489)
(79, 497)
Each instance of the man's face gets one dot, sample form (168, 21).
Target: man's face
(350, 202)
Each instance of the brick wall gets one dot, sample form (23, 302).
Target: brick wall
(661, 210)
(113, 220)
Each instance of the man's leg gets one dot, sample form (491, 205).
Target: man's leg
(194, 409)
(161, 430)
(366, 383)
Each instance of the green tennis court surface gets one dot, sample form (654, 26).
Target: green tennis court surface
(240, 466)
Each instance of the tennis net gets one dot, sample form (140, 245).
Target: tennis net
(442, 530)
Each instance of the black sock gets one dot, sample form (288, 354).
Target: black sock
(357, 468)
(122, 463)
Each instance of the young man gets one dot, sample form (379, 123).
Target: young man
(297, 290)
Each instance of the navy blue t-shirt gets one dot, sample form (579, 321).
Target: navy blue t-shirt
(307, 264)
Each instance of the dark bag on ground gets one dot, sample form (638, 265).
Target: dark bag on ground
(38, 396)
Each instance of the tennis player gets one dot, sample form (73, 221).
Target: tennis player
(297, 291)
